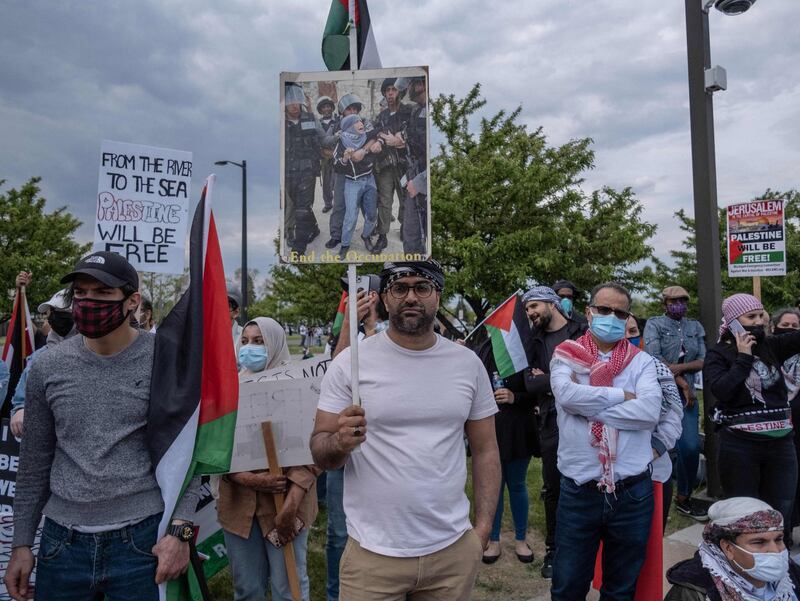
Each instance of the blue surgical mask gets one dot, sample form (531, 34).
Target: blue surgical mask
(769, 567)
(608, 328)
(635, 340)
(253, 357)
(566, 304)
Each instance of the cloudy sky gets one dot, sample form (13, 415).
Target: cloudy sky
(203, 76)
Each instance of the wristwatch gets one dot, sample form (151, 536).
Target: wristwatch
(183, 532)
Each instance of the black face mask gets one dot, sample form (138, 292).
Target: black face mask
(61, 322)
(779, 331)
(758, 333)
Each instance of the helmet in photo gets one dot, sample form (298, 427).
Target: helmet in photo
(389, 82)
(323, 100)
(349, 100)
(410, 86)
(294, 94)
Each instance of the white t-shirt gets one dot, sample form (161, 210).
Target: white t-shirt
(404, 490)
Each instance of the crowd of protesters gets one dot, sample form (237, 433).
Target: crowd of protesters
(608, 402)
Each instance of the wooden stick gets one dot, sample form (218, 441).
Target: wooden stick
(275, 469)
(757, 286)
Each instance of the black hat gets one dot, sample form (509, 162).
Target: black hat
(109, 268)
(388, 82)
(559, 284)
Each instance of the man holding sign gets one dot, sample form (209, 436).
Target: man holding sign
(407, 514)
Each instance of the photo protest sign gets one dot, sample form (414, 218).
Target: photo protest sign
(287, 397)
(354, 166)
(143, 205)
(756, 239)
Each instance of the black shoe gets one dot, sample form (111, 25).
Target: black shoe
(368, 244)
(343, 252)
(693, 510)
(327, 208)
(527, 558)
(332, 243)
(380, 243)
(547, 566)
(314, 234)
(490, 559)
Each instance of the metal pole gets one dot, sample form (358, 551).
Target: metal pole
(352, 316)
(704, 180)
(244, 242)
(351, 8)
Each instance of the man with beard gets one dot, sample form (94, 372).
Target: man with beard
(551, 327)
(407, 513)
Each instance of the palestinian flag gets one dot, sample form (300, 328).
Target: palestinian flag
(339, 319)
(509, 332)
(194, 390)
(336, 43)
(18, 346)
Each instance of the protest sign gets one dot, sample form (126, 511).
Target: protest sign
(9, 462)
(143, 205)
(756, 239)
(210, 540)
(287, 397)
(382, 154)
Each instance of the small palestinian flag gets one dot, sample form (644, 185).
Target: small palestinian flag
(509, 332)
(339, 319)
(336, 43)
(194, 389)
(18, 346)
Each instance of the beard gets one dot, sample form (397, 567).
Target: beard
(412, 325)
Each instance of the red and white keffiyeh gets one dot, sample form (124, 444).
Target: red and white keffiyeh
(582, 356)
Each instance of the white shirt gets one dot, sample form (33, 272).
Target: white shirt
(404, 489)
(577, 404)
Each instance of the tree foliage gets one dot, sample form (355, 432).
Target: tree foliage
(34, 240)
(776, 292)
(509, 210)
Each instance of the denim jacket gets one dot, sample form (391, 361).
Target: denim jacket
(664, 336)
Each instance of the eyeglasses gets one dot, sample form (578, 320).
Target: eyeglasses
(421, 289)
(602, 310)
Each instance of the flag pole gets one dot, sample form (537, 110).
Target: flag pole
(351, 268)
(353, 33)
(475, 329)
(23, 326)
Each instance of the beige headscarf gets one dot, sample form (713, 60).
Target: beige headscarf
(274, 340)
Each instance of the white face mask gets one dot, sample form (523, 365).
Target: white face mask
(769, 567)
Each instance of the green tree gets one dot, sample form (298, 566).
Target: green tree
(34, 240)
(776, 292)
(509, 210)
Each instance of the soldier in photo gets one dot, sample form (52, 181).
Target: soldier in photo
(391, 165)
(415, 181)
(329, 123)
(303, 136)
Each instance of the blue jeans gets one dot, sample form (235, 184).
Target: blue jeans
(256, 562)
(688, 450)
(585, 517)
(76, 567)
(513, 476)
(360, 191)
(337, 531)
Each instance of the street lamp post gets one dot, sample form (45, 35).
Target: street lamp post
(703, 82)
(243, 167)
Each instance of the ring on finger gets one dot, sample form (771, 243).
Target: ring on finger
(356, 431)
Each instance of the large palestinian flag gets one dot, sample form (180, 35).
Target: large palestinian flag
(18, 346)
(509, 332)
(194, 390)
(336, 43)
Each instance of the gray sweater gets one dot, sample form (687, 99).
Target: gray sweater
(84, 460)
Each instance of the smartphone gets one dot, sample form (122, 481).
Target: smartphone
(362, 284)
(736, 327)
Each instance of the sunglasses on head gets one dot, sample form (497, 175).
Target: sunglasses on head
(603, 310)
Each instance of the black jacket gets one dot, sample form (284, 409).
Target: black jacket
(691, 581)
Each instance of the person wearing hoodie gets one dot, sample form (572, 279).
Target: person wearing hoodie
(756, 446)
(246, 506)
(58, 312)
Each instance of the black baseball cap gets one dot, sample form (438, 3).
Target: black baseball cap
(107, 267)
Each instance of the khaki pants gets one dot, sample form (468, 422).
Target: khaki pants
(447, 575)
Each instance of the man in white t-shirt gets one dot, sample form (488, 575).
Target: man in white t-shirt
(409, 532)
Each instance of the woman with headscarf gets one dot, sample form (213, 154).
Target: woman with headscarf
(756, 447)
(246, 505)
(742, 557)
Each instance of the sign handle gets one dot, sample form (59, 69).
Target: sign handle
(288, 549)
(353, 318)
(757, 286)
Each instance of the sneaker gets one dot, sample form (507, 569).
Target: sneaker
(693, 510)
(547, 565)
(332, 243)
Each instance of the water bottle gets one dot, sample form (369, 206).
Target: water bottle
(497, 381)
